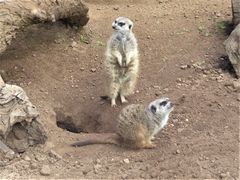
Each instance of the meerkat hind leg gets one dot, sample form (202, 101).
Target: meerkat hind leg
(149, 145)
(144, 144)
(123, 99)
(128, 86)
(143, 140)
(113, 102)
(114, 89)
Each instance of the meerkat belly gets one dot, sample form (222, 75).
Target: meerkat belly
(121, 73)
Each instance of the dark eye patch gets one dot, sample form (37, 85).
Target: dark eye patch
(121, 24)
(153, 109)
(163, 103)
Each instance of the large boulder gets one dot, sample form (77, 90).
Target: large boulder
(232, 45)
(20, 126)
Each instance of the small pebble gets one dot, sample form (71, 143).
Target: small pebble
(27, 158)
(126, 161)
(93, 70)
(45, 171)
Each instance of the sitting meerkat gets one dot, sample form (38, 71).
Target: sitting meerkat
(122, 60)
(136, 125)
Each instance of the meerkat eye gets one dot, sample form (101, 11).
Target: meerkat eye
(163, 103)
(121, 24)
(153, 109)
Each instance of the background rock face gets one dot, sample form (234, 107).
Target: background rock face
(14, 15)
(236, 11)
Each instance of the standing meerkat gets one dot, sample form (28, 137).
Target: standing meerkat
(136, 125)
(122, 60)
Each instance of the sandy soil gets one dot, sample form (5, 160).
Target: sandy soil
(182, 57)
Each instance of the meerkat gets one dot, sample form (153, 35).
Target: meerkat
(122, 60)
(137, 125)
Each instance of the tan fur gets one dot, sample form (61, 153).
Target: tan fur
(136, 126)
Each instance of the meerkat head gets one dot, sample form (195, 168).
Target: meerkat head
(161, 107)
(122, 23)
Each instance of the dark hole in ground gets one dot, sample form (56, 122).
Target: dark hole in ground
(94, 119)
(225, 64)
(67, 122)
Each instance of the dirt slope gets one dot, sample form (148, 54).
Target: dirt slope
(181, 47)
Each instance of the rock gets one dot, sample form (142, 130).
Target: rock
(236, 85)
(144, 168)
(82, 69)
(21, 122)
(55, 155)
(33, 165)
(93, 70)
(10, 155)
(145, 176)
(166, 89)
(177, 151)
(98, 161)
(3, 73)
(154, 175)
(180, 130)
(124, 176)
(2, 163)
(27, 158)
(126, 161)
(232, 46)
(39, 158)
(185, 66)
(156, 87)
(96, 168)
(194, 175)
(85, 172)
(45, 170)
(74, 44)
(238, 98)
(224, 175)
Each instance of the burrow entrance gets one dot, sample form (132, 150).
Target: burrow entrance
(97, 119)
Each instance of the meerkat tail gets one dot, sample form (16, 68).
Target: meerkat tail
(110, 139)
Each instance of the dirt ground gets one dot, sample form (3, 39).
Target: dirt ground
(182, 57)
